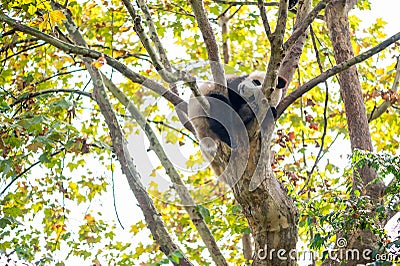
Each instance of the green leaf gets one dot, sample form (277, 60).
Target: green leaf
(204, 212)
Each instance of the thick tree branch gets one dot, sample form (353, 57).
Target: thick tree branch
(217, 69)
(302, 27)
(79, 50)
(277, 52)
(223, 21)
(160, 60)
(291, 61)
(294, 95)
(153, 219)
(377, 112)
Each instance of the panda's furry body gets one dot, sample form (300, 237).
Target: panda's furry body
(232, 114)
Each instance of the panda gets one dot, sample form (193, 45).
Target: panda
(292, 4)
(225, 114)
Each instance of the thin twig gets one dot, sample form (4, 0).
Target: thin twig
(42, 92)
(26, 170)
(173, 128)
(22, 51)
(15, 42)
(113, 192)
(321, 148)
(58, 74)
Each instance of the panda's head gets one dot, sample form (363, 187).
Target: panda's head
(253, 83)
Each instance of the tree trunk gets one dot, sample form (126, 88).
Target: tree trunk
(270, 212)
(336, 14)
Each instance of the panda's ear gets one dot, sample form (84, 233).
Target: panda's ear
(282, 82)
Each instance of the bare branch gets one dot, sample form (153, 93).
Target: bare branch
(36, 94)
(183, 13)
(294, 95)
(277, 52)
(162, 123)
(377, 112)
(179, 186)
(264, 18)
(15, 42)
(161, 62)
(57, 75)
(223, 21)
(22, 51)
(149, 48)
(164, 71)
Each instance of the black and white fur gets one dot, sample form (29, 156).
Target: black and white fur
(225, 113)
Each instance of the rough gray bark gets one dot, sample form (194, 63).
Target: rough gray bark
(336, 14)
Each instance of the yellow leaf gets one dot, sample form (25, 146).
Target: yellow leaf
(56, 16)
(134, 229)
(357, 49)
(89, 218)
(44, 24)
(380, 22)
(101, 61)
(153, 173)
(380, 71)
(73, 186)
(97, 64)
(32, 9)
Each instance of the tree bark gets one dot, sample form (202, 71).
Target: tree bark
(336, 14)
(270, 212)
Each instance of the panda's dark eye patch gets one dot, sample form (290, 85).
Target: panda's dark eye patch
(256, 82)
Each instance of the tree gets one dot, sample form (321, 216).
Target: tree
(53, 52)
